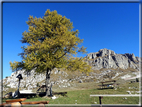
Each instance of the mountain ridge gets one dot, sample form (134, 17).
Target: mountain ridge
(106, 58)
(106, 64)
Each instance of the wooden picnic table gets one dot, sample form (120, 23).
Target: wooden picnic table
(108, 84)
(19, 103)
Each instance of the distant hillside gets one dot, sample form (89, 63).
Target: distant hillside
(106, 65)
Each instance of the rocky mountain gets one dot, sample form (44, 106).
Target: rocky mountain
(106, 58)
(106, 64)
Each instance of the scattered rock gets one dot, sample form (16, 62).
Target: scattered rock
(129, 92)
(8, 95)
(80, 81)
(54, 97)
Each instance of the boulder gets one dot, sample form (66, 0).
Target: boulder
(80, 81)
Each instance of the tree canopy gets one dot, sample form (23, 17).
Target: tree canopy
(50, 43)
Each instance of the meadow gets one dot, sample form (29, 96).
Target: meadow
(80, 94)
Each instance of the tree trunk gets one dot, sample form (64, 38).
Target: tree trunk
(47, 83)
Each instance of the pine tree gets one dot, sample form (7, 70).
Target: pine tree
(50, 43)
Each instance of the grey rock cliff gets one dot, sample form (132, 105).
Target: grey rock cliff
(106, 58)
(100, 53)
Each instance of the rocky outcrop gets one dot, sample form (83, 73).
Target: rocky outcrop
(120, 61)
(33, 80)
(100, 53)
(106, 58)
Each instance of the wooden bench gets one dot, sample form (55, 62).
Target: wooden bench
(19, 103)
(108, 84)
(103, 95)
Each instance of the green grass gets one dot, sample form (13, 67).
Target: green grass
(83, 97)
(80, 94)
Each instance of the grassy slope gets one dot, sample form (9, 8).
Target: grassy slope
(81, 95)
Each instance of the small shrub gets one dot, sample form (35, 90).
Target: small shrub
(5, 86)
(37, 85)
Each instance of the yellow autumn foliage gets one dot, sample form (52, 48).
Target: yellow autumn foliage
(50, 43)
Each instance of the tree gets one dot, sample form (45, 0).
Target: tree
(50, 43)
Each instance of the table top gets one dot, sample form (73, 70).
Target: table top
(108, 81)
(16, 100)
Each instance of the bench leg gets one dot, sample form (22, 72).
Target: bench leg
(100, 101)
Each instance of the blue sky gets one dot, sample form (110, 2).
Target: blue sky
(114, 26)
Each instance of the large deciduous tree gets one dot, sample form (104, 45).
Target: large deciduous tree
(50, 43)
